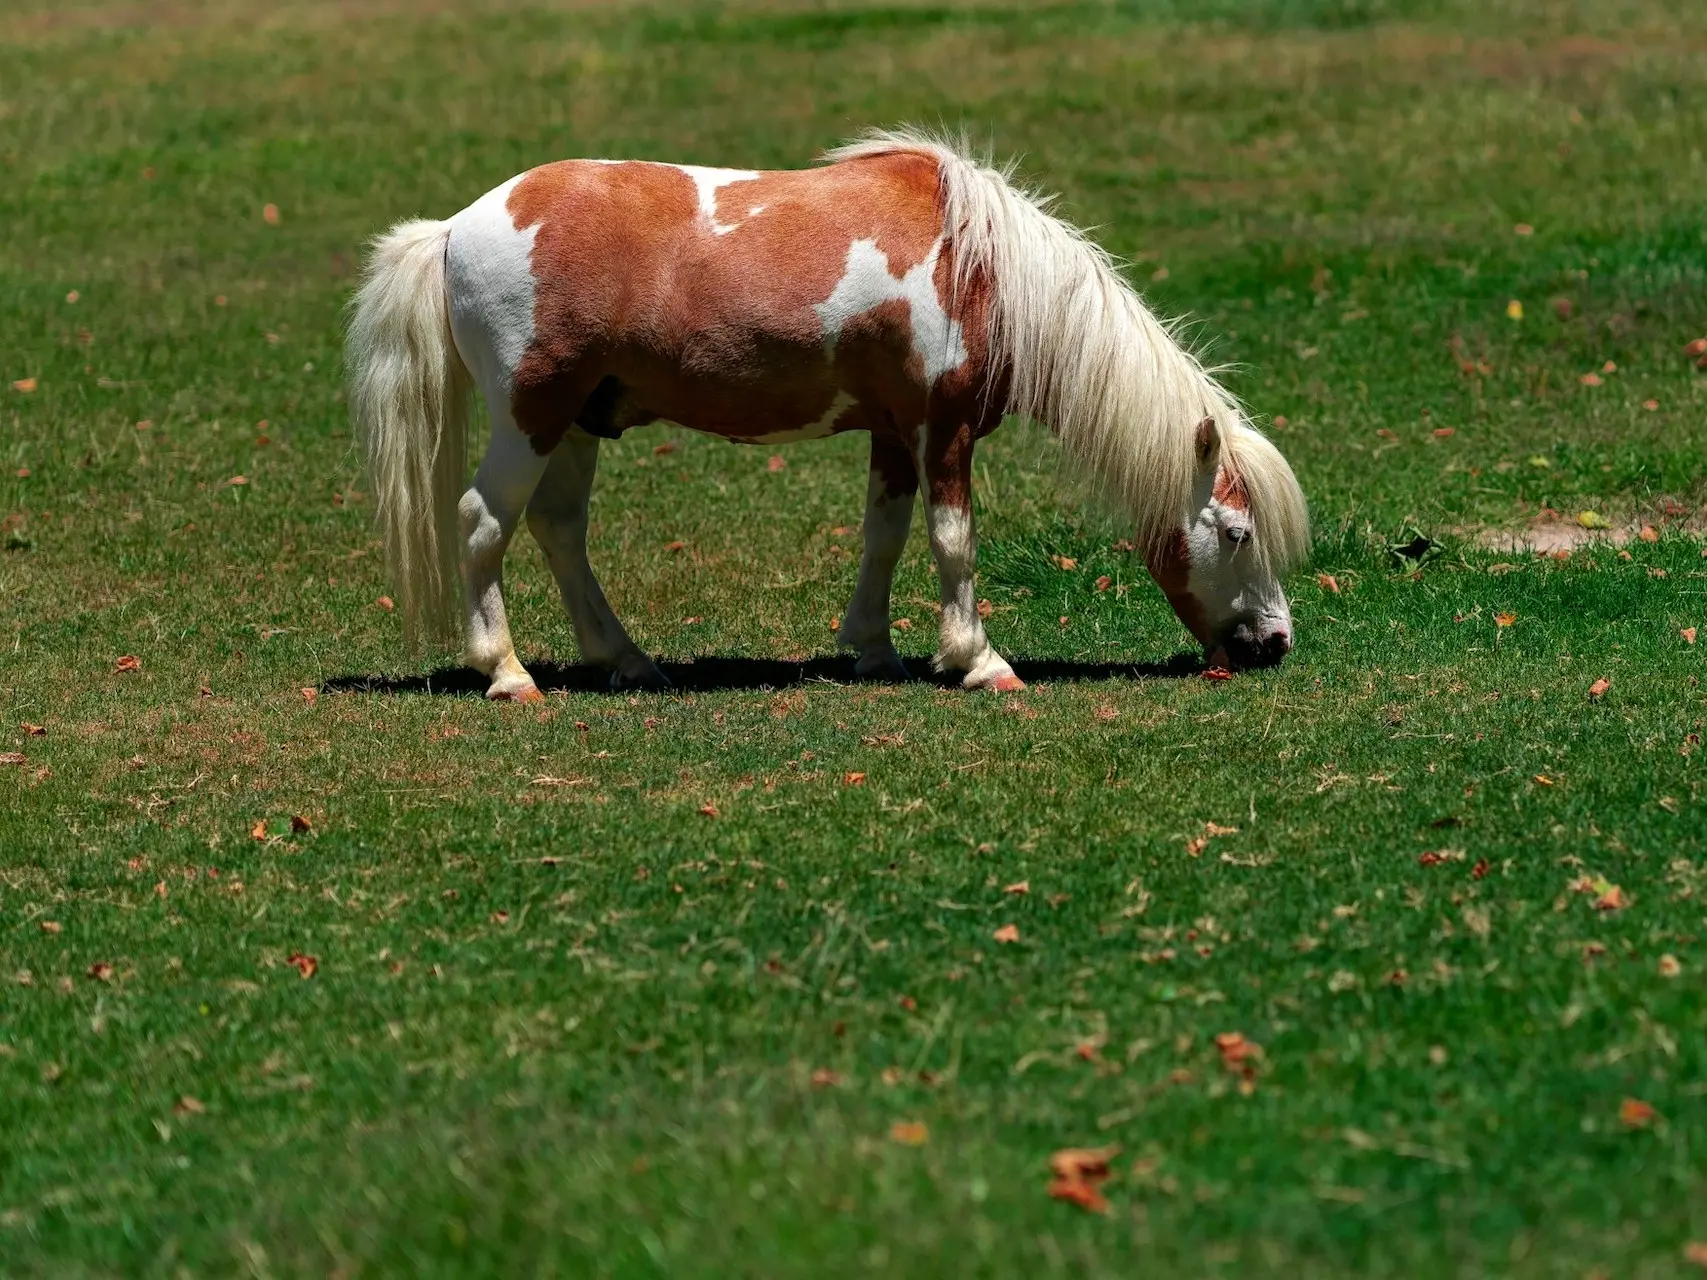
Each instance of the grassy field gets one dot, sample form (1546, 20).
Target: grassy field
(315, 962)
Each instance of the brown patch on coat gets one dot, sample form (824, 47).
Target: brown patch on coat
(892, 463)
(717, 332)
(1170, 566)
(1230, 490)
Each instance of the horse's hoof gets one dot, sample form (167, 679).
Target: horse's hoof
(883, 666)
(1009, 683)
(638, 672)
(526, 693)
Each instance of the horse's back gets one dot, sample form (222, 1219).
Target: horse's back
(713, 296)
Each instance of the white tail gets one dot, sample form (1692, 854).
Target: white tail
(409, 393)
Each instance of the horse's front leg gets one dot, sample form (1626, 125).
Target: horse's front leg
(889, 494)
(946, 458)
(489, 512)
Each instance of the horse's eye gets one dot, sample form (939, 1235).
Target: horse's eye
(1238, 533)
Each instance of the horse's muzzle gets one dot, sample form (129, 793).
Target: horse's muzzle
(1247, 647)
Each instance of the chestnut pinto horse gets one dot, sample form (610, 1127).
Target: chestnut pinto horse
(903, 289)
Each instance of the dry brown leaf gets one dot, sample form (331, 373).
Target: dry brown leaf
(677, 545)
(909, 1133)
(270, 214)
(13, 757)
(236, 482)
(1669, 966)
(100, 971)
(50, 926)
(386, 603)
(1688, 634)
(1650, 405)
(1649, 533)
(309, 695)
(299, 824)
(1599, 687)
(985, 608)
(1007, 933)
(1611, 899)
(1217, 673)
(1445, 433)
(777, 463)
(129, 662)
(1065, 562)
(709, 810)
(824, 1078)
(853, 778)
(1018, 886)
(1504, 619)
(188, 1106)
(1590, 379)
(902, 624)
(1216, 829)
(1196, 845)
(659, 450)
(38, 731)
(1104, 582)
(1696, 348)
(305, 965)
(1696, 1252)
(259, 830)
(1327, 582)
(25, 385)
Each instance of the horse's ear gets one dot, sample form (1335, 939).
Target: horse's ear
(1208, 441)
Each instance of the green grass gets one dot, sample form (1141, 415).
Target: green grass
(563, 1022)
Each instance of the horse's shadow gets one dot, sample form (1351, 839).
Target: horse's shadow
(712, 673)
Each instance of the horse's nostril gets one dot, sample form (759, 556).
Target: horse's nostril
(1279, 644)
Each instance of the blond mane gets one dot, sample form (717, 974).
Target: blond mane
(1088, 359)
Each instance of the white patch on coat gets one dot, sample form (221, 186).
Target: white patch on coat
(825, 425)
(866, 283)
(489, 277)
(707, 183)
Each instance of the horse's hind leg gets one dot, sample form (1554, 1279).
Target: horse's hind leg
(947, 466)
(489, 512)
(888, 515)
(557, 518)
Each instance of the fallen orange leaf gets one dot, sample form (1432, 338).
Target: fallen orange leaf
(309, 694)
(129, 662)
(259, 830)
(188, 1105)
(777, 462)
(709, 810)
(1018, 886)
(1649, 533)
(1696, 348)
(1611, 899)
(1216, 829)
(25, 385)
(1443, 433)
(1217, 673)
(13, 757)
(824, 1078)
(853, 779)
(1696, 1251)
(386, 603)
(1688, 634)
(1504, 619)
(37, 731)
(1007, 933)
(1196, 845)
(1636, 1114)
(101, 971)
(299, 824)
(659, 450)
(307, 966)
(270, 214)
(1065, 562)
(677, 545)
(1327, 582)
(50, 926)
(909, 1133)
(1599, 687)
(237, 481)
(1077, 1174)
(1590, 379)
(1104, 582)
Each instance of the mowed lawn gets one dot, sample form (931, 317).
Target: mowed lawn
(316, 963)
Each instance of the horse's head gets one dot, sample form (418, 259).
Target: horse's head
(1221, 580)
